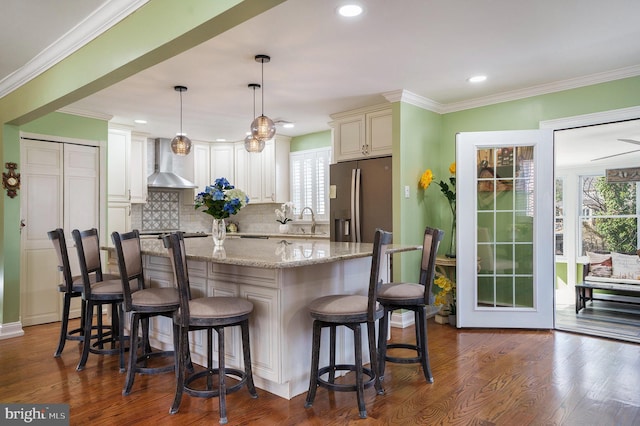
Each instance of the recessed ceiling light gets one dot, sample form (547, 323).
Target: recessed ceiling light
(350, 10)
(477, 79)
(140, 121)
(221, 140)
(288, 125)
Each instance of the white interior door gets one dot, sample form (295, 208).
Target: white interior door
(60, 189)
(505, 252)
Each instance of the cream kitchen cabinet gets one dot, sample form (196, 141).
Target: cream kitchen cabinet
(264, 176)
(138, 168)
(212, 161)
(362, 133)
(127, 167)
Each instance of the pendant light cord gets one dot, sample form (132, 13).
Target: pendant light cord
(181, 113)
(262, 87)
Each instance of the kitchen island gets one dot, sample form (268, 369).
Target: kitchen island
(280, 277)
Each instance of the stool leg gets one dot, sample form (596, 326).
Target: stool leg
(183, 347)
(382, 342)
(357, 337)
(133, 353)
(64, 326)
(315, 360)
(118, 309)
(222, 377)
(332, 354)
(87, 336)
(373, 356)
(246, 352)
(421, 321)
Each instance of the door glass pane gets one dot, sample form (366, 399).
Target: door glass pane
(504, 212)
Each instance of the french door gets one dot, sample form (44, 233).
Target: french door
(505, 252)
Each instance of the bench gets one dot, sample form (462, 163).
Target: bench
(618, 290)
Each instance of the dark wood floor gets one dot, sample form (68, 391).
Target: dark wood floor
(495, 377)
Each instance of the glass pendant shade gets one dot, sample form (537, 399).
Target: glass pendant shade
(181, 145)
(263, 128)
(252, 144)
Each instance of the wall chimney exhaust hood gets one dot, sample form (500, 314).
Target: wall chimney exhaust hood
(163, 175)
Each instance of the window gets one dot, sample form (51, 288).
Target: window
(310, 181)
(609, 215)
(559, 217)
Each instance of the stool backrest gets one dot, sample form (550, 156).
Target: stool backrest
(129, 255)
(430, 244)
(174, 243)
(60, 245)
(380, 240)
(88, 247)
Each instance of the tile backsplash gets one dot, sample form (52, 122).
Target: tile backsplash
(168, 210)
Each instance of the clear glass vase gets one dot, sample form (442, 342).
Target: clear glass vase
(218, 232)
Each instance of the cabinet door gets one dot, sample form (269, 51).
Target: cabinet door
(118, 166)
(379, 133)
(138, 169)
(349, 134)
(119, 219)
(241, 174)
(201, 167)
(254, 166)
(269, 172)
(222, 161)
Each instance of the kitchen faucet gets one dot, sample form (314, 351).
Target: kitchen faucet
(313, 218)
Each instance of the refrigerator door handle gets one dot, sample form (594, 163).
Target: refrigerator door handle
(357, 207)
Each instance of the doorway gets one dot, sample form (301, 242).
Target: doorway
(585, 147)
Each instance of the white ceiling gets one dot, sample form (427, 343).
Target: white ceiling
(323, 64)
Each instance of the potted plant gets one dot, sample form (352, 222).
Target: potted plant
(282, 217)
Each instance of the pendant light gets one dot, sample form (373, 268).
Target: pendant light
(251, 143)
(263, 127)
(181, 144)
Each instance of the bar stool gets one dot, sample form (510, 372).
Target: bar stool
(142, 303)
(207, 313)
(71, 287)
(98, 291)
(350, 311)
(415, 297)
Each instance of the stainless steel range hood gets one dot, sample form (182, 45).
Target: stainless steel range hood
(163, 175)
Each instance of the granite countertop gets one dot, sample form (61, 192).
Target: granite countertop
(297, 235)
(270, 253)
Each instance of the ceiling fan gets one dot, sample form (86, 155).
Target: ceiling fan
(633, 141)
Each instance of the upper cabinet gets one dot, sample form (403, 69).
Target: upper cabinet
(210, 162)
(264, 176)
(362, 133)
(127, 167)
(138, 171)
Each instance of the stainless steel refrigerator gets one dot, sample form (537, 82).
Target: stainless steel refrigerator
(360, 199)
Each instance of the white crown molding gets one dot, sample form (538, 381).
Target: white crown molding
(611, 116)
(85, 113)
(103, 18)
(411, 98)
(543, 89)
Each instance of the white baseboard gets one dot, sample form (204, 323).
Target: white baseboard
(402, 319)
(13, 329)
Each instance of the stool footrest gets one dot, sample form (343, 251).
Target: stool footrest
(343, 387)
(403, 360)
(210, 391)
(142, 369)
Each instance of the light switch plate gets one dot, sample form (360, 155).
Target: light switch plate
(332, 191)
(406, 191)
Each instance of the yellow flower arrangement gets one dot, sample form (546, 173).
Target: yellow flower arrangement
(447, 293)
(449, 191)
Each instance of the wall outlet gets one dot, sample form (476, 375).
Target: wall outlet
(406, 191)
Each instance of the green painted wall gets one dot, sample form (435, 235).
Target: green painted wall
(157, 31)
(69, 126)
(416, 147)
(311, 141)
